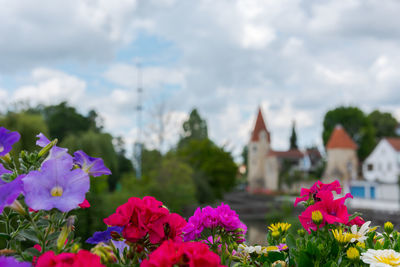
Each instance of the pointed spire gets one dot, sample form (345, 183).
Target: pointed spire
(340, 139)
(260, 126)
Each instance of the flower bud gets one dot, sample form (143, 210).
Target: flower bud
(47, 148)
(275, 234)
(279, 263)
(68, 227)
(353, 254)
(388, 226)
(301, 232)
(316, 217)
(105, 253)
(17, 206)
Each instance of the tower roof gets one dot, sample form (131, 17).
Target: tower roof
(260, 126)
(340, 139)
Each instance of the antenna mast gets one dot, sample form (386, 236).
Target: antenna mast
(138, 146)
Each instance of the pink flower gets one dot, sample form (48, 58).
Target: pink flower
(356, 221)
(85, 204)
(81, 259)
(333, 211)
(305, 193)
(191, 254)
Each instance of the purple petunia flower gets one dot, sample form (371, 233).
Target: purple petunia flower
(7, 139)
(104, 236)
(11, 262)
(55, 152)
(93, 166)
(9, 192)
(3, 170)
(56, 186)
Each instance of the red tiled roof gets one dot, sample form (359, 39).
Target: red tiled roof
(260, 126)
(340, 139)
(292, 154)
(394, 142)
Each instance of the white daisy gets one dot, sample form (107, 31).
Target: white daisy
(381, 258)
(360, 234)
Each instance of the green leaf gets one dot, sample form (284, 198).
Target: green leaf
(5, 236)
(275, 256)
(33, 252)
(30, 235)
(290, 241)
(304, 260)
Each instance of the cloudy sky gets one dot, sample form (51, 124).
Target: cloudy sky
(297, 59)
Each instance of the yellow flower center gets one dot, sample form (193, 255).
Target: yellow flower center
(316, 217)
(57, 191)
(353, 254)
(389, 259)
(1, 148)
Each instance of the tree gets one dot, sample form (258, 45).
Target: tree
(212, 163)
(384, 123)
(194, 128)
(63, 120)
(28, 125)
(172, 183)
(357, 125)
(293, 137)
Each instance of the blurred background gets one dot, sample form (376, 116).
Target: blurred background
(198, 102)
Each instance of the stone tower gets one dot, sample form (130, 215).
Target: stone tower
(258, 148)
(342, 160)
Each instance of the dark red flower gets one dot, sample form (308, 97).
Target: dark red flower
(305, 193)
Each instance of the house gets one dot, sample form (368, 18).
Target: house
(265, 164)
(381, 170)
(341, 159)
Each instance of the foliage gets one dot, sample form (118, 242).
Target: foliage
(357, 125)
(64, 120)
(29, 125)
(215, 165)
(293, 138)
(173, 184)
(194, 128)
(384, 123)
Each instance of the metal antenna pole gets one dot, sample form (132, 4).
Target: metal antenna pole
(138, 144)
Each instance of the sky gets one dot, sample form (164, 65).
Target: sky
(295, 59)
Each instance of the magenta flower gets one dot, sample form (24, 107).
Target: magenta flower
(333, 211)
(3, 170)
(55, 152)
(305, 193)
(56, 186)
(221, 217)
(9, 192)
(7, 140)
(92, 166)
(11, 262)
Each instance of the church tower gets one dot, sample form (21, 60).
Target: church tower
(258, 148)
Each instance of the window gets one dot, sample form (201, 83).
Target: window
(370, 167)
(372, 192)
(357, 191)
(254, 148)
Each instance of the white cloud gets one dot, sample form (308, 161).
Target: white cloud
(49, 87)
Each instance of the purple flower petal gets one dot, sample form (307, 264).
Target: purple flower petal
(11, 262)
(3, 170)
(93, 166)
(7, 140)
(9, 192)
(56, 186)
(104, 236)
(43, 140)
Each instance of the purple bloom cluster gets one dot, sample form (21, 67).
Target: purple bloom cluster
(7, 139)
(222, 216)
(11, 262)
(9, 192)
